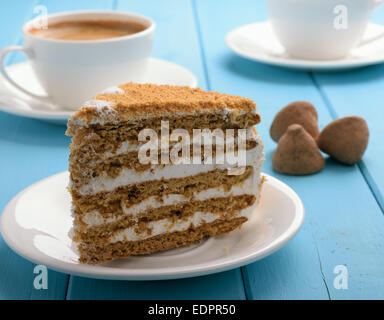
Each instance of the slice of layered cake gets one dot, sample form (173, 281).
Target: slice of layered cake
(159, 167)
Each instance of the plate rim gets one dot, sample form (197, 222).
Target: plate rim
(102, 272)
(62, 115)
(298, 64)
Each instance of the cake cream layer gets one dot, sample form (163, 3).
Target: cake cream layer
(249, 186)
(129, 176)
(100, 140)
(86, 162)
(223, 207)
(130, 146)
(165, 226)
(110, 202)
(151, 229)
(85, 166)
(87, 144)
(100, 252)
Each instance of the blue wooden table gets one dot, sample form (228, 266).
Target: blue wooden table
(344, 204)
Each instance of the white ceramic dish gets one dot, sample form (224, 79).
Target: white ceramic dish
(258, 42)
(71, 71)
(36, 222)
(15, 102)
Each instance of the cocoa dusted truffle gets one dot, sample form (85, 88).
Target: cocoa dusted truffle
(298, 112)
(345, 139)
(297, 153)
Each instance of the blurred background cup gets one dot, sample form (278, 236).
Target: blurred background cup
(72, 71)
(320, 29)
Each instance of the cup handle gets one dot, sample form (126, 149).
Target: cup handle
(28, 53)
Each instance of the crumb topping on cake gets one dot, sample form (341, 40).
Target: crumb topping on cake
(133, 101)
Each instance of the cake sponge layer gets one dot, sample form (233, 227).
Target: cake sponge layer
(86, 166)
(98, 253)
(169, 214)
(107, 202)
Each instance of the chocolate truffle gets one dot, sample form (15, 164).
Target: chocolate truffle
(297, 153)
(298, 112)
(345, 139)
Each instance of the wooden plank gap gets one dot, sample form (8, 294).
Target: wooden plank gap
(201, 44)
(115, 3)
(245, 279)
(324, 96)
(68, 287)
(371, 184)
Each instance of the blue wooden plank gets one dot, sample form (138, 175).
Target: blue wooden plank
(216, 286)
(30, 150)
(344, 224)
(176, 40)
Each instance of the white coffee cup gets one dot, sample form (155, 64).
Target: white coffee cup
(320, 29)
(71, 72)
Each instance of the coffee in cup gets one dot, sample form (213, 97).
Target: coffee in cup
(88, 30)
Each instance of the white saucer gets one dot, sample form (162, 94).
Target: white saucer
(36, 222)
(14, 102)
(258, 42)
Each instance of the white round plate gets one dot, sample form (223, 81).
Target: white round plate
(14, 102)
(258, 42)
(36, 222)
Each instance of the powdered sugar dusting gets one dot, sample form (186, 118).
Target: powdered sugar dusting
(113, 90)
(98, 104)
(104, 108)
